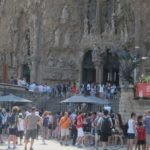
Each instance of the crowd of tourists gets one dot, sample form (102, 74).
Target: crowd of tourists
(65, 90)
(98, 129)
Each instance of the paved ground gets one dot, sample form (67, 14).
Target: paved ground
(54, 145)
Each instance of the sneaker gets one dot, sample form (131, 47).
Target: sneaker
(14, 147)
(66, 144)
(76, 144)
(8, 148)
(31, 148)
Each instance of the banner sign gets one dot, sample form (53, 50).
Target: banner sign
(143, 90)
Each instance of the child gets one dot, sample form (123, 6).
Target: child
(141, 134)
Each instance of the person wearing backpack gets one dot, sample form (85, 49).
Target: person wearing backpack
(97, 129)
(1, 125)
(106, 127)
(45, 125)
(13, 132)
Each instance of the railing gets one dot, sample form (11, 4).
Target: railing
(11, 86)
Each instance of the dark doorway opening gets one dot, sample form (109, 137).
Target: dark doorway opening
(88, 70)
(26, 72)
(111, 68)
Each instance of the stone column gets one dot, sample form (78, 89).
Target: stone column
(99, 73)
(20, 71)
(98, 16)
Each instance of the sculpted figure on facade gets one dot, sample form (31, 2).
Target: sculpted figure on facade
(86, 27)
(57, 37)
(67, 39)
(65, 14)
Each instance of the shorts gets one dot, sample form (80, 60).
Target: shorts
(13, 131)
(80, 132)
(104, 137)
(20, 134)
(131, 136)
(147, 138)
(31, 134)
(64, 132)
(141, 142)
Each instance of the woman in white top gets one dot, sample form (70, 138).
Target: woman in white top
(20, 127)
(131, 131)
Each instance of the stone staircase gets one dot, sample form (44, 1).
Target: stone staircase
(49, 102)
(114, 102)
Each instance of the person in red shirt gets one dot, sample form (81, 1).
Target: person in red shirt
(80, 133)
(141, 134)
(73, 89)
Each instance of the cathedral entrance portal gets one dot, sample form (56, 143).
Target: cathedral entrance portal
(88, 70)
(26, 72)
(111, 68)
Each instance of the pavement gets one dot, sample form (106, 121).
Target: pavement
(53, 144)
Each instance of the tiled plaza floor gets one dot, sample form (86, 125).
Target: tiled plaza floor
(55, 145)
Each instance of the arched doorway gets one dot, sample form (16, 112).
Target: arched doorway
(111, 68)
(88, 70)
(26, 72)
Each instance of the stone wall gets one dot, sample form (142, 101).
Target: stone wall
(129, 104)
(51, 36)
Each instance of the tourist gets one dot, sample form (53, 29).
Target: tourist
(106, 126)
(1, 125)
(64, 125)
(147, 125)
(31, 127)
(45, 125)
(97, 129)
(118, 129)
(74, 131)
(20, 127)
(57, 131)
(80, 133)
(32, 87)
(141, 136)
(131, 131)
(13, 121)
(50, 124)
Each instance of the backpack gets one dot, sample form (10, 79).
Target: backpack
(1, 120)
(106, 126)
(12, 120)
(45, 121)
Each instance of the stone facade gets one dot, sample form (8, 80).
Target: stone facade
(52, 36)
(129, 104)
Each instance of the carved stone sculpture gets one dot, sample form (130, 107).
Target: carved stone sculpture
(65, 14)
(86, 27)
(57, 37)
